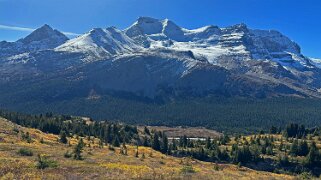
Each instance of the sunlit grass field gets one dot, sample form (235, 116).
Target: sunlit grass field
(104, 163)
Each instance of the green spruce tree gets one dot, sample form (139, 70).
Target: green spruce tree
(78, 150)
(63, 137)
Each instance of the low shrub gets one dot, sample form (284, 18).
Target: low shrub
(68, 154)
(187, 169)
(25, 152)
(45, 162)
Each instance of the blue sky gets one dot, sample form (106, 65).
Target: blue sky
(298, 19)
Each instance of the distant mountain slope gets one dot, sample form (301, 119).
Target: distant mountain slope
(155, 60)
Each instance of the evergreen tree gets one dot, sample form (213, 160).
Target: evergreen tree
(136, 152)
(63, 137)
(107, 135)
(273, 130)
(294, 148)
(174, 145)
(183, 141)
(263, 150)
(284, 160)
(233, 150)
(78, 150)
(164, 144)
(145, 142)
(303, 148)
(256, 154)
(222, 155)
(313, 158)
(269, 150)
(26, 136)
(101, 144)
(146, 130)
(224, 139)
(155, 142)
(208, 143)
(281, 146)
(242, 155)
(116, 142)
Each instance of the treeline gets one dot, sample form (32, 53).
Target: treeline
(66, 125)
(295, 131)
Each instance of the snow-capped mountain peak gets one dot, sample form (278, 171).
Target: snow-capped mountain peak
(172, 31)
(145, 26)
(154, 53)
(237, 42)
(42, 38)
(237, 28)
(150, 26)
(100, 43)
(45, 34)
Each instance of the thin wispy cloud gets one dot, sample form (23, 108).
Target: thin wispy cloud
(16, 28)
(70, 33)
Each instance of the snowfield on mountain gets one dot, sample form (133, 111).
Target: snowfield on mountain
(154, 58)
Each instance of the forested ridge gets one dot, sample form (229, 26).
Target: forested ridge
(231, 115)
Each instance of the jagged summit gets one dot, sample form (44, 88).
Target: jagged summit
(45, 27)
(210, 42)
(173, 31)
(149, 26)
(42, 38)
(237, 42)
(145, 25)
(165, 27)
(146, 20)
(100, 42)
(45, 33)
(153, 54)
(242, 27)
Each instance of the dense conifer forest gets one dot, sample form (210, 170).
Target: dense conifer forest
(231, 115)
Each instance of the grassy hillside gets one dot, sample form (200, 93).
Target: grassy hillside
(101, 162)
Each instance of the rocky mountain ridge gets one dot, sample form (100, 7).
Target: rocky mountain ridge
(153, 58)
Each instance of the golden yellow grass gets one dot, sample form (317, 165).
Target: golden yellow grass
(102, 163)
